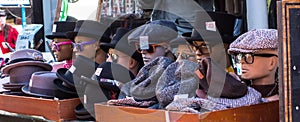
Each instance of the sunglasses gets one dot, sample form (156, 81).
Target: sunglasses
(201, 47)
(151, 49)
(249, 57)
(56, 46)
(79, 46)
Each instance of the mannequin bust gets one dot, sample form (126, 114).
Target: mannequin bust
(257, 52)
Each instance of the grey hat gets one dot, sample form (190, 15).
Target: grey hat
(41, 84)
(144, 84)
(156, 34)
(254, 41)
(178, 78)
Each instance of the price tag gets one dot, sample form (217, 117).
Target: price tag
(211, 26)
(72, 69)
(54, 28)
(180, 96)
(144, 42)
(98, 71)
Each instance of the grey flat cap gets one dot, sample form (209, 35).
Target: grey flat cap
(156, 34)
(254, 41)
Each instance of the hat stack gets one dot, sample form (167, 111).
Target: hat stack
(23, 63)
(69, 79)
(179, 78)
(142, 88)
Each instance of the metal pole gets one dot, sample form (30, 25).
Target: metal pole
(23, 16)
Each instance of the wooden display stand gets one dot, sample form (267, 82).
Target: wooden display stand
(57, 110)
(288, 19)
(265, 112)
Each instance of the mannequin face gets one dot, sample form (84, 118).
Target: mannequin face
(200, 49)
(262, 66)
(156, 51)
(87, 50)
(120, 58)
(65, 51)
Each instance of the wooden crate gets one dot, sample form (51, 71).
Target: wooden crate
(57, 110)
(265, 112)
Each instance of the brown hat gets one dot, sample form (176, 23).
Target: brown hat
(26, 57)
(254, 41)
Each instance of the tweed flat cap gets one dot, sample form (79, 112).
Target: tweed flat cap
(254, 41)
(178, 78)
(156, 34)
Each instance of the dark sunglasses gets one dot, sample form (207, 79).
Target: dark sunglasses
(249, 57)
(56, 46)
(151, 49)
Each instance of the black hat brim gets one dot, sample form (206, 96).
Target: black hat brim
(72, 35)
(25, 89)
(61, 75)
(59, 85)
(57, 35)
(103, 85)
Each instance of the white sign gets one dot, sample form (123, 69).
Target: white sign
(9, 2)
(25, 38)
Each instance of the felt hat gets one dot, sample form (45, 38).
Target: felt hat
(157, 33)
(82, 114)
(254, 41)
(143, 86)
(41, 84)
(92, 29)
(210, 26)
(81, 66)
(60, 29)
(116, 38)
(179, 78)
(110, 77)
(25, 57)
(120, 43)
(64, 91)
(20, 76)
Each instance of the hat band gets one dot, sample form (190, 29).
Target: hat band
(21, 59)
(48, 92)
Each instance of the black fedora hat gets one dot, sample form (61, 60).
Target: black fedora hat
(81, 66)
(116, 38)
(211, 26)
(64, 91)
(91, 29)
(60, 29)
(120, 43)
(111, 75)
